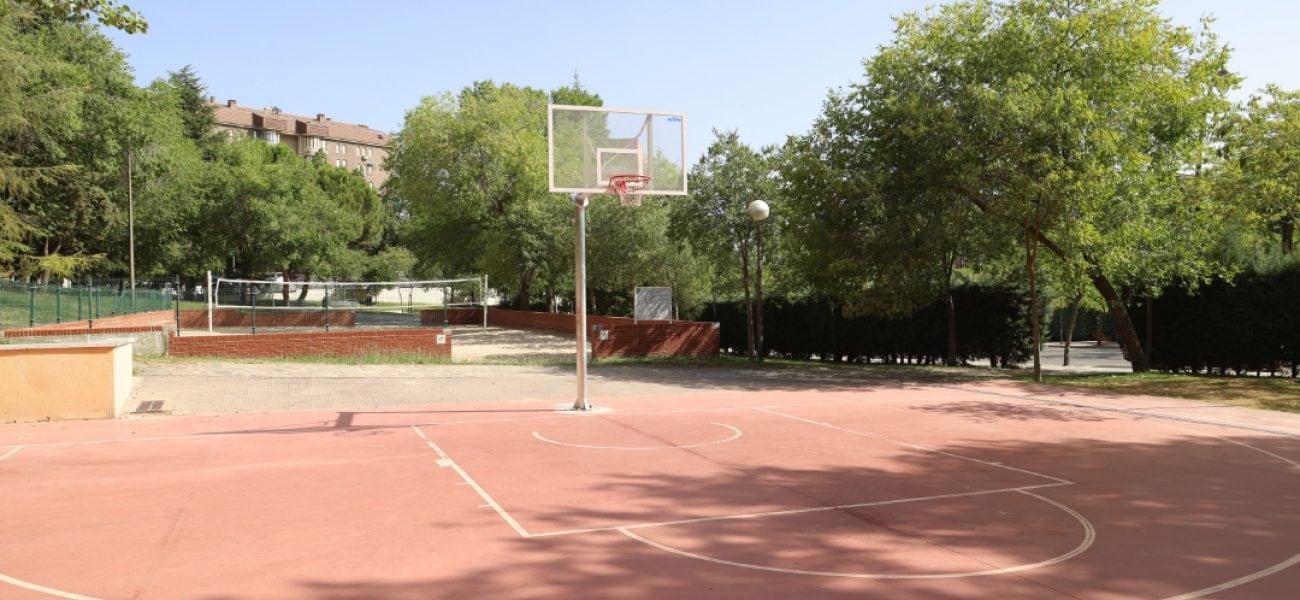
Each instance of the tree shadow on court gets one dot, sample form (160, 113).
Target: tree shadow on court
(1174, 512)
(785, 378)
(991, 411)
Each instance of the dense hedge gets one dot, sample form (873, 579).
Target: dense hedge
(991, 325)
(1251, 325)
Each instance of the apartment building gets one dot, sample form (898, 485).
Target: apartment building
(346, 145)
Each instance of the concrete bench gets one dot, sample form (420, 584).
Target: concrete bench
(68, 380)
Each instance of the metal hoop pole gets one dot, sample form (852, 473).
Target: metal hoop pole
(580, 296)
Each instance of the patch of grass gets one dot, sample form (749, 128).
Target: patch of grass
(902, 372)
(1272, 393)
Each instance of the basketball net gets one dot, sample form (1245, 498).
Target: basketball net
(629, 188)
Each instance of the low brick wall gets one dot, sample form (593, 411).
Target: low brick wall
(148, 331)
(624, 336)
(656, 338)
(148, 340)
(454, 316)
(233, 317)
(320, 343)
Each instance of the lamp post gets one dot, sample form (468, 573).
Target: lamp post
(130, 209)
(758, 211)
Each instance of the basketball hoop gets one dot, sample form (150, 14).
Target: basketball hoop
(629, 188)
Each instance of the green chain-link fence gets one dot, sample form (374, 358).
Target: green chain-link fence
(26, 304)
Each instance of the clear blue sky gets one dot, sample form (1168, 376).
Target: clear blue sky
(762, 67)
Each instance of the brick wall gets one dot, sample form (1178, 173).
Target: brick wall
(454, 316)
(320, 343)
(232, 317)
(625, 337)
(656, 338)
(33, 332)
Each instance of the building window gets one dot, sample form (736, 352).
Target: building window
(342, 163)
(270, 136)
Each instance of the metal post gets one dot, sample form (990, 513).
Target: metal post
(80, 292)
(211, 295)
(130, 209)
(758, 286)
(327, 308)
(485, 295)
(580, 297)
(31, 306)
(58, 304)
(178, 309)
(254, 312)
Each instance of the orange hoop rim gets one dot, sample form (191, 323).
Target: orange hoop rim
(628, 184)
(629, 188)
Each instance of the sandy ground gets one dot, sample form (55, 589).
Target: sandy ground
(223, 387)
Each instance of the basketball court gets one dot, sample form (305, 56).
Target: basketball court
(882, 489)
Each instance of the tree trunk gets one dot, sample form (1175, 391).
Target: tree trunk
(950, 358)
(306, 279)
(1069, 331)
(524, 295)
(1123, 324)
(1288, 234)
(1149, 345)
(1031, 253)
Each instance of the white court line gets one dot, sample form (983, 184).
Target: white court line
(569, 413)
(734, 435)
(1089, 536)
(1290, 562)
(1138, 412)
(796, 511)
(27, 585)
(11, 452)
(42, 589)
(446, 461)
(1294, 560)
(915, 446)
(1232, 441)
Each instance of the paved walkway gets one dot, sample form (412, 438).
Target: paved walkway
(1085, 357)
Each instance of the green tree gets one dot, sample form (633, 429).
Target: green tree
(266, 210)
(873, 227)
(191, 99)
(1072, 122)
(68, 115)
(108, 12)
(1262, 166)
(713, 218)
(472, 168)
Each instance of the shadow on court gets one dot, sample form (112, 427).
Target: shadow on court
(914, 488)
(1171, 518)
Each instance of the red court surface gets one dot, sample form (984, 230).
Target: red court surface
(960, 491)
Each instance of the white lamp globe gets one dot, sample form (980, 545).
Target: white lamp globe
(757, 210)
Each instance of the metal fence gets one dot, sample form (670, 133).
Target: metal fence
(24, 304)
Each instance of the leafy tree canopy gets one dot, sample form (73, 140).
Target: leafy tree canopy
(1072, 121)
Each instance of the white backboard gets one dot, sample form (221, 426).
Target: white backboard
(588, 144)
